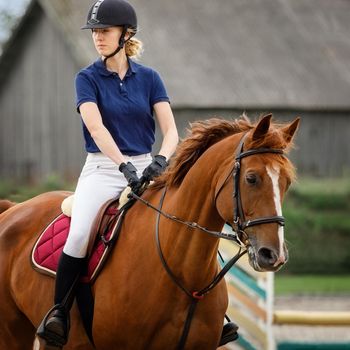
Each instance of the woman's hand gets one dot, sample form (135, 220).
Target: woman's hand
(130, 173)
(157, 166)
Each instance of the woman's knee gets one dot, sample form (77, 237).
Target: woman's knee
(77, 243)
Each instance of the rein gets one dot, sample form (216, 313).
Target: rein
(218, 234)
(195, 296)
(229, 236)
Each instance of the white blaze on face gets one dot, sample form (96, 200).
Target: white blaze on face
(274, 174)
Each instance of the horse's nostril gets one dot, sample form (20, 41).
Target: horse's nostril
(267, 256)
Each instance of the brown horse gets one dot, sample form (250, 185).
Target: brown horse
(137, 305)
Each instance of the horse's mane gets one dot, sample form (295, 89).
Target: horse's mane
(200, 136)
(204, 134)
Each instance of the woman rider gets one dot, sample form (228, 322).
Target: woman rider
(116, 98)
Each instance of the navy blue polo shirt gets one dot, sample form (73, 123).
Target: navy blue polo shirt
(126, 106)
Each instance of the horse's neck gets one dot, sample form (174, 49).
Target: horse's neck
(187, 249)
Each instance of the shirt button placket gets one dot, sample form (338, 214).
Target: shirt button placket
(122, 89)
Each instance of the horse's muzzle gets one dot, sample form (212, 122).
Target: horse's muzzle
(267, 259)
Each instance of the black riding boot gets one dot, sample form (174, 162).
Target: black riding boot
(55, 326)
(229, 333)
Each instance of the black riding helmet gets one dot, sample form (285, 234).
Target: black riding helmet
(110, 13)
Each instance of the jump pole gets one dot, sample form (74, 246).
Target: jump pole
(335, 318)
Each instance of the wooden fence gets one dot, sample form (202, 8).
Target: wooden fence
(251, 302)
(251, 297)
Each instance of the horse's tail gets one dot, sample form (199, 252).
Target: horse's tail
(5, 204)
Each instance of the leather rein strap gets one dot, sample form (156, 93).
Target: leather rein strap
(218, 234)
(194, 296)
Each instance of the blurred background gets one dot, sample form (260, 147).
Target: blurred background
(217, 58)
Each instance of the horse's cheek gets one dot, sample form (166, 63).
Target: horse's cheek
(224, 204)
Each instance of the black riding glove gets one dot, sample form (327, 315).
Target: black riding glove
(157, 166)
(130, 173)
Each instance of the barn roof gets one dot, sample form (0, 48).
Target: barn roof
(243, 53)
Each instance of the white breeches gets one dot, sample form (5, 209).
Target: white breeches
(99, 181)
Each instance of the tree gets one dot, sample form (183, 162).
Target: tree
(9, 15)
(6, 21)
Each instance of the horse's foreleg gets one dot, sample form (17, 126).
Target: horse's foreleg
(16, 331)
(16, 334)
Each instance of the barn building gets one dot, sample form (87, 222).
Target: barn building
(217, 58)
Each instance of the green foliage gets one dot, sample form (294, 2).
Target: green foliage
(318, 226)
(312, 284)
(19, 193)
(7, 22)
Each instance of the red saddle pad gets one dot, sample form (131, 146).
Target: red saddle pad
(49, 246)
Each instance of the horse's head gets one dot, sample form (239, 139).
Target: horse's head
(251, 188)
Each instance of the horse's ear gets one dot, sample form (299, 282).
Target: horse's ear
(289, 130)
(262, 128)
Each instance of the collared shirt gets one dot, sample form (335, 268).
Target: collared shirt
(126, 106)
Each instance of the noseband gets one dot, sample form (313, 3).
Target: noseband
(238, 213)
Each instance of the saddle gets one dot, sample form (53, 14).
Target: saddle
(104, 232)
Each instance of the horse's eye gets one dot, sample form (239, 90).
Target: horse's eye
(251, 179)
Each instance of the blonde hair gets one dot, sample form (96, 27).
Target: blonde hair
(133, 47)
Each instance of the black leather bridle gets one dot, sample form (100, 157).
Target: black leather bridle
(238, 213)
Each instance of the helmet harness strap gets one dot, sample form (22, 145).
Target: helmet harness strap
(122, 41)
